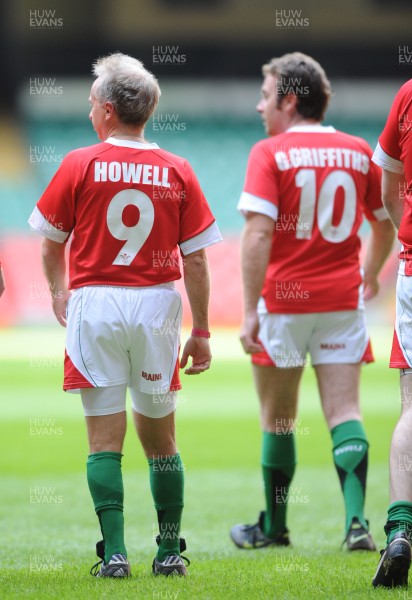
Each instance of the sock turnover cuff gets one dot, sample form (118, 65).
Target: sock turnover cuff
(164, 459)
(347, 432)
(108, 505)
(104, 455)
(173, 506)
(401, 510)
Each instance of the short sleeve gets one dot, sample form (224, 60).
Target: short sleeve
(373, 206)
(388, 151)
(198, 228)
(54, 214)
(260, 191)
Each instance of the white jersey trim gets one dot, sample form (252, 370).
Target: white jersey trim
(387, 162)
(131, 144)
(208, 237)
(311, 129)
(251, 203)
(381, 214)
(38, 223)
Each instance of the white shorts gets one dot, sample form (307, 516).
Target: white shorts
(111, 400)
(401, 355)
(329, 337)
(123, 336)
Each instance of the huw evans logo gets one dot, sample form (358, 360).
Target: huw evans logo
(44, 86)
(291, 85)
(167, 122)
(291, 19)
(44, 495)
(45, 19)
(168, 55)
(44, 562)
(45, 154)
(405, 55)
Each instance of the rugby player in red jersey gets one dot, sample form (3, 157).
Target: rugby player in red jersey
(306, 192)
(125, 204)
(394, 154)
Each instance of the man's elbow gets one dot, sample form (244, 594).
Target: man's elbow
(195, 261)
(263, 236)
(51, 249)
(390, 199)
(385, 231)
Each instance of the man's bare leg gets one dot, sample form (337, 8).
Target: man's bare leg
(339, 391)
(157, 436)
(104, 475)
(278, 394)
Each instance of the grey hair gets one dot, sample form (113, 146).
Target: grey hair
(132, 89)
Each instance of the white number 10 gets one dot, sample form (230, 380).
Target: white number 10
(136, 235)
(306, 179)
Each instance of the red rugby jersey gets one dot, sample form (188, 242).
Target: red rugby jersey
(316, 183)
(394, 153)
(129, 207)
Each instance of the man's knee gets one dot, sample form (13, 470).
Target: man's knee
(157, 435)
(406, 389)
(278, 421)
(157, 447)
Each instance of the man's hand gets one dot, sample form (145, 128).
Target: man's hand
(2, 284)
(54, 268)
(255, 248)
(199, 349)
(370, 287)
(59, 303)
(377, 251)
(249, 333)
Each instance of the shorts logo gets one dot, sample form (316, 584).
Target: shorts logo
(332, 346)
(151, 376)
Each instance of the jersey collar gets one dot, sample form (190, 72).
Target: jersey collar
(311, 129)
(130, 144)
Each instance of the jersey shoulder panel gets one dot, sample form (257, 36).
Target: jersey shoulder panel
(173, 159)
(265, 146)
(87, 152)
(77, 159)
(404, 94)
(354, 140)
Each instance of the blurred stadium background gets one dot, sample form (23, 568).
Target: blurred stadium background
(207, 55)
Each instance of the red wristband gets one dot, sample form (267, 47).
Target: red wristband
(200, 333)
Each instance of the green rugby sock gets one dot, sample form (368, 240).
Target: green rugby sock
(278, 466)
(104, 476)
(167, 485)
(399, 519)
(350, 454)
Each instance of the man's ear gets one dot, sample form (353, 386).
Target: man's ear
(290, 102)
(108, 109)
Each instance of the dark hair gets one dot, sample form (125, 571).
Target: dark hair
(301, 75)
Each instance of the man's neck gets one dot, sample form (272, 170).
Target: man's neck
(134, 135)
(299, 122)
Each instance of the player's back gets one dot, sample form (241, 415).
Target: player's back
(323, 183)
(129, 205)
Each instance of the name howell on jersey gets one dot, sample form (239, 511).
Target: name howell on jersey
(131, 173)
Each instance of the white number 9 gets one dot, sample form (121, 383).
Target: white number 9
(134, 236)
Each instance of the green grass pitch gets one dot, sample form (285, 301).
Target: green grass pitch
(48, 527)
